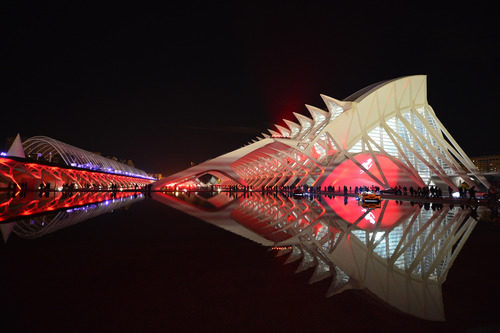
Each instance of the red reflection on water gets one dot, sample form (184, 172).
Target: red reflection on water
(13, 207)
(393, 213)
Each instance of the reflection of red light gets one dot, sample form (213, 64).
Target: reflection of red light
(318, 227)
(42, 205)
(393, 212)
(349, 173)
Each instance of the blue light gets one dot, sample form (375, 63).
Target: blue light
(3, 154)
(91, 166)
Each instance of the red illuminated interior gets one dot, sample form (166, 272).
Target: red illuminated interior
(349, 173)
(17, 172)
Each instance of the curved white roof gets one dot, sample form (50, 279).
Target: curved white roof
(49, 148)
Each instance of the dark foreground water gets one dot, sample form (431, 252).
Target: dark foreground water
(149, 267)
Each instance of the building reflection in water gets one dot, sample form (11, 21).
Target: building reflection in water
(400, 252)
(34, 215)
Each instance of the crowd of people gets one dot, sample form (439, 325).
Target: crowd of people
(464, 190)
(426, 191)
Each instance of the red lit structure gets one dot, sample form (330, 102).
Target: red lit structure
(17, 171)
(43, 161)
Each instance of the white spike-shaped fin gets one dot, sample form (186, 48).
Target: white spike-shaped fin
(335, 106)
(294, 128)
(16, 149)
(340, 282)
(319, 116)
(265, 135)
(305, 122)
(321, 272)
(274, 134)
(284, 132)
(308, 261)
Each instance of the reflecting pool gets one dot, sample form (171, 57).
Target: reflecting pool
(32, 215)
(398, 250)
(397, 254)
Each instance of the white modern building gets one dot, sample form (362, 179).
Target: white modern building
(384, 135)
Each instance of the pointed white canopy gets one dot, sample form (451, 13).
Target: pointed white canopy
(16, 149)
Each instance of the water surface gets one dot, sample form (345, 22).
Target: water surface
(146, 266)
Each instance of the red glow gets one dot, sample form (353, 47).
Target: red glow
(349, 173)
(18, 172)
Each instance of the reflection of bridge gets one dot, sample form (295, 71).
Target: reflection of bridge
(400, 252)
(42, 160)
(34, 217)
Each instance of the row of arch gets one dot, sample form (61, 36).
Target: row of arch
(53, 150)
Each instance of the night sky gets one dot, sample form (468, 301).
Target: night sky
(168, 85)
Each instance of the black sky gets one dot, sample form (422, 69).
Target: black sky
(168, 85)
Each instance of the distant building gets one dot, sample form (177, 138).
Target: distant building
(487, 164)
(156, 175)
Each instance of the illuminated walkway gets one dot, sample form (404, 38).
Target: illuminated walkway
(51, 164)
